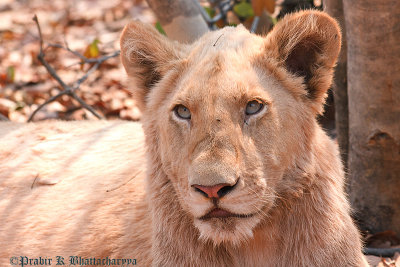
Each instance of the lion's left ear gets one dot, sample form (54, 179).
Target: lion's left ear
(307, 44)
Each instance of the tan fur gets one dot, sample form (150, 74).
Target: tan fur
(80, 188)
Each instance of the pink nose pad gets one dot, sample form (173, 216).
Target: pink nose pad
(214, 191)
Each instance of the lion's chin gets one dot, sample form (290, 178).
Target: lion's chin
(230, 230)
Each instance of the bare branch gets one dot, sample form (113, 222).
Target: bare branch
(43, 61)
(83, 104)
(82, 57)
(84, 77)
(51, 99)
(66, 89)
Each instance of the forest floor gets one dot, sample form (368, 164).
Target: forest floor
(25, 84)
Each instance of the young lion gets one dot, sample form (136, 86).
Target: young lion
(231, 168)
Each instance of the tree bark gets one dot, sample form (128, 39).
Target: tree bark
(181, 19)
(373, 60)
(339, 87)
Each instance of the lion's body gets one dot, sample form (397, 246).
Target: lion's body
(225, 184)
(53, 196)
(77, 189)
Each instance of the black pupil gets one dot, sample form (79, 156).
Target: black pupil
(182, 112)
(253, 107)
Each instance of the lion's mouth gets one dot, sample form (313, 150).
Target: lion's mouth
(221, 213)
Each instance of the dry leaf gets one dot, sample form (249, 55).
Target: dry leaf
(260, 5)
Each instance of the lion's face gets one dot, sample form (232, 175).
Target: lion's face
(220, 125)
(228, 121)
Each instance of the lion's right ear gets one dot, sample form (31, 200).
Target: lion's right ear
(146, 56)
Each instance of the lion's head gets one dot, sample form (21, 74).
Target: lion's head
(230, 115)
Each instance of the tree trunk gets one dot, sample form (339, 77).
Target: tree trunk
(339, 87)
(373, 60)
(181, 19)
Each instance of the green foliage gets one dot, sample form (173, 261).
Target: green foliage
(10, 74)
(160, 28)
(19, 105)
(210, 11)
(244, 10)
(273, 20)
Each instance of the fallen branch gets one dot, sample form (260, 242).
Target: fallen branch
(3, 118)
(381, 252)
(68, 90)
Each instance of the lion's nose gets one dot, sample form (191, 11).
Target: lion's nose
(214, 191)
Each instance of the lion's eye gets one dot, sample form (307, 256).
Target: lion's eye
(253, 107)
(182, 112)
